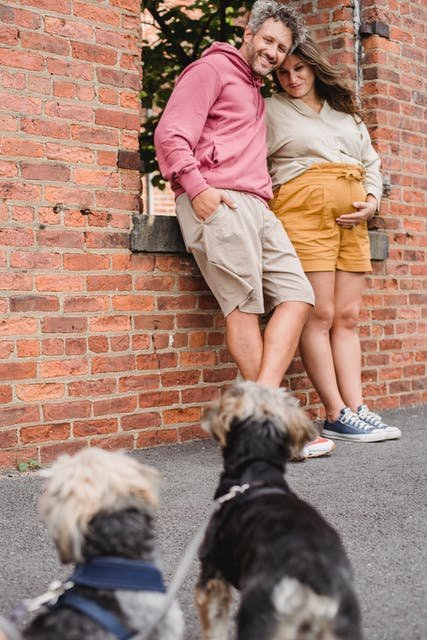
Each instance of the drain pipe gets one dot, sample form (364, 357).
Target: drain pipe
(357, 21)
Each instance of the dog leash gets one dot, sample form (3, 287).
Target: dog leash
(187, 560)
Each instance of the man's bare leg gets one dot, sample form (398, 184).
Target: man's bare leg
(281, 338)
(244, 342)
(266, 360)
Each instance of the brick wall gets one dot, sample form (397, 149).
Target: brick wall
(100, 346)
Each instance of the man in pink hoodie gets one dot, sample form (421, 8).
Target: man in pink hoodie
(211, 145)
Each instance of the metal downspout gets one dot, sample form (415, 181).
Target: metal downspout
(357, 20)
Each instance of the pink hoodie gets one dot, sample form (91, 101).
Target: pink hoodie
(212, 132)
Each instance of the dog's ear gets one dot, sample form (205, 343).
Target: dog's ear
(213, 423)
(301, 430)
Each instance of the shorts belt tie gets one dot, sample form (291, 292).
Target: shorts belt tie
(356, 174)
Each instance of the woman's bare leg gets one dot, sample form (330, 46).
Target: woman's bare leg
(315, 343)
(345, 341)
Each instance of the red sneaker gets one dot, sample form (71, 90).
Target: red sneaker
(319, 447)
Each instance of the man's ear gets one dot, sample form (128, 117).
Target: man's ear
(247, 34)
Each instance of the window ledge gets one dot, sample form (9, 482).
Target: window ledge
(161, 234)
(379, 245)
(158, 234)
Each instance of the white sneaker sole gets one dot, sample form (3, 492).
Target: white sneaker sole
(392, 435)
(359, 437)
(318, 454)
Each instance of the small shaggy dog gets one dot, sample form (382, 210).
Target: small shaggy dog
(288, 563)
(98, 507)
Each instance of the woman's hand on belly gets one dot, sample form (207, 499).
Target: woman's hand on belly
(363, 211)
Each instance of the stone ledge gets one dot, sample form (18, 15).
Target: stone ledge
(379, 245)
(158, 234)
(161, 234)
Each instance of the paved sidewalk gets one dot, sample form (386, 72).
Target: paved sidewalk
(374, 494)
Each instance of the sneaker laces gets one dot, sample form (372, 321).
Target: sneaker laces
(365, 414)
(349, 417)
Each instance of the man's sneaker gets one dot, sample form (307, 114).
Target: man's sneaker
(350, 427)
(319, 447)
(374, 420)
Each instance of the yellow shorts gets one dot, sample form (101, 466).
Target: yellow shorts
(308, 206)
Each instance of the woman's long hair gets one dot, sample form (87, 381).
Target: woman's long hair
(328, 82)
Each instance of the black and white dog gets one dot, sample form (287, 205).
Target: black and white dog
(288, 563)
(99, 507)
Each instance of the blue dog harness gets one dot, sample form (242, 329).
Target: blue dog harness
(109, 573)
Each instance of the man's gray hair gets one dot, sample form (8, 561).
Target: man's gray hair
(262, 10)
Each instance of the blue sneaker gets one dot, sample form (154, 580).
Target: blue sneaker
(350, 427)
(374, 420)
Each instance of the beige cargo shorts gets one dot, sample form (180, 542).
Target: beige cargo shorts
(244, 255)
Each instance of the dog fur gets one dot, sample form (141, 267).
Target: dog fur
(100, 503)
(288, 563)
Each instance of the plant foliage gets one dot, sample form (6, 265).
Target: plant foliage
(183, 32)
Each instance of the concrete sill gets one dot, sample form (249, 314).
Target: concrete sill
(161, 234)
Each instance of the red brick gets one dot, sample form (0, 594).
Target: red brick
(133, 303)
(64, 325)
(98, 344)
(45, 433)
(193, 432)
(219, 375)
(154, 283)
(5, 394)
(159, 360)
(200, 394)
(69, 29)
(120, 343)
(19, 415)
(21, 60)
(17, 326)
(92, 388)
(197, 358)
(158, 399)
(126, 404)
(8, 169)
(179, 378)
(154, 437)
(66, 239)
(50, 453)
(8, 438)
(59, 283)
(71, 154)
(140, 342)
(66, 410)
(94, 427)
(92, 13)
(27, 348)
(16, 282)
(64, 368)
(118, 78)
(109, 283)
(80, 303)
(117, 118)
(108, 364)
(115, 442)
(140, 421)
(75, 346)
(154, 322)
(178, 416)
(110, 324)
(138, 382)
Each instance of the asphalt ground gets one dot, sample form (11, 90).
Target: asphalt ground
(373, 493)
